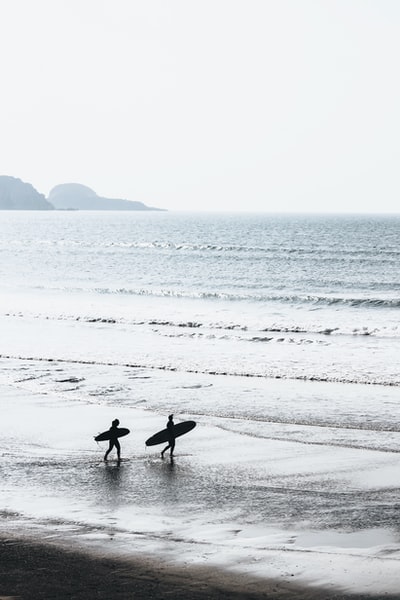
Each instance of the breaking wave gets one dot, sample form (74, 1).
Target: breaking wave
(230, 373)
(263, 333)
(314, 251)
(306, 299)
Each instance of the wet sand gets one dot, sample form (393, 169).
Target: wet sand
(46, 571)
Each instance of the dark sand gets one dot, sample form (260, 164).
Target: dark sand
(44, 572)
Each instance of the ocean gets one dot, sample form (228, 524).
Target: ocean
(296, 297)
(278, 334)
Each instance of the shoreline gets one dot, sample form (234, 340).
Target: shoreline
(31, 570)
(236, 516)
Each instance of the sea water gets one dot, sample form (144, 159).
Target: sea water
(298, 297)
(278, 334)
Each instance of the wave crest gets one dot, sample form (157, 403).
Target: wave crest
(284, 376)
(296, 299)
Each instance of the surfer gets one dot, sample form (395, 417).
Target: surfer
(114, 440)
(171, 437)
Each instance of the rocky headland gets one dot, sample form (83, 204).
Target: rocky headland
(18, 195)
(80, 197)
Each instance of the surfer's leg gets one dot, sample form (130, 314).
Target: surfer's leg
(110, 447)
(165, 449)
(118, 447)
(172, 446)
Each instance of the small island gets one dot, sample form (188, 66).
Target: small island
(75, 196)
(17, 195)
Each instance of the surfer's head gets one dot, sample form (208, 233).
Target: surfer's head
(170, 417)
(115, 422)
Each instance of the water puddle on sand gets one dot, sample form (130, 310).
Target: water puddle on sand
(367, 538)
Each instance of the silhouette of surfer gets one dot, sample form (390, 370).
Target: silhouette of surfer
(114, 440)
(171, 437)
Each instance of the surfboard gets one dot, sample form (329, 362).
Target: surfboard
(106, 435)
(163, 436)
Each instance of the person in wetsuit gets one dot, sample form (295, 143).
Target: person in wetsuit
(171, 437)
(114, 440)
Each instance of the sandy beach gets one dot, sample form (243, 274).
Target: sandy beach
(30, 571)
(250, 521)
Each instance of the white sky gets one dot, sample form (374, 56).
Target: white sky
(264, 105)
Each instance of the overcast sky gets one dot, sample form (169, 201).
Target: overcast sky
(262, 105)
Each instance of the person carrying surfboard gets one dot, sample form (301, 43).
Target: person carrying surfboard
(171, 437)
(114, 440)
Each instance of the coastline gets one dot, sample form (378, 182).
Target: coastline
(30, 570)
(238, 514)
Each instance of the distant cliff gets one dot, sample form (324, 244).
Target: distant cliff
(80, 197)
(17, 195)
